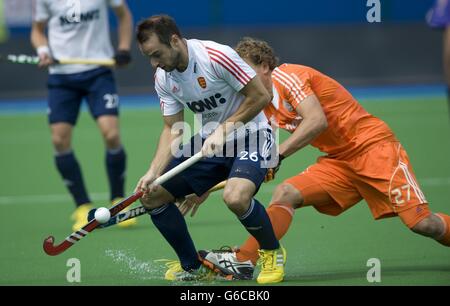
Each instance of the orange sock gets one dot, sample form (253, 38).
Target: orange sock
(445, 238)
(281, 217)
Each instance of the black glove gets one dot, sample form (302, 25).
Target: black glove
(271, 172)
(122, 58)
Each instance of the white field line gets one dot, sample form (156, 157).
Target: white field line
(46, 198)
(103, 197)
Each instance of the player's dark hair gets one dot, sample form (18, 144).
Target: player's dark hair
(257, 51)
(162, 25)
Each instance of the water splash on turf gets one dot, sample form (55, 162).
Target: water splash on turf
(144, 270)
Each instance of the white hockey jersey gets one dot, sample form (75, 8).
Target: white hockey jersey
(209, 86)
(76, 31)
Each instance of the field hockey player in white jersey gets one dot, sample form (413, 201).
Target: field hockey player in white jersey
(224, 92)
(82, 31)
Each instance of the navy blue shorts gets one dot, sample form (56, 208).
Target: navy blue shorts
(247, 161)
(66, 92)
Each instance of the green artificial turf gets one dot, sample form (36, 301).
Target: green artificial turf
(322, 250)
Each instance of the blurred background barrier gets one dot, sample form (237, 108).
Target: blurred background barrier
(332, 36)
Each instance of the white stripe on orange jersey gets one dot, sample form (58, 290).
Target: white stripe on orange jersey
(296, 81)
(288, 87)
(295, 84)
(290, 80)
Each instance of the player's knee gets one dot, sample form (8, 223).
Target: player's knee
(430, 226)
(286, 194)
(61, 142)
(112, 138)
(235, 200)
(150, 202)
(156, 199)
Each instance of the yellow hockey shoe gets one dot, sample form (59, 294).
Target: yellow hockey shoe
(176, 273)
(80, 216)
(272, 264)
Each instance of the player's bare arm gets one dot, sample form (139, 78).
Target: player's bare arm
(314, 122)
(163, 155)
(40, 43)
(125, 28)
(256, 98)
(125, 32)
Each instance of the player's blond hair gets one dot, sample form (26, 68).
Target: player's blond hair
(257, 51)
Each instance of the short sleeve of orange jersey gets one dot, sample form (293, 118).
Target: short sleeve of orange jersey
(295, 81)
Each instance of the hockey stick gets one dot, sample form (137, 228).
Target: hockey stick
(136, 212)
(51, 249)
(34, 60)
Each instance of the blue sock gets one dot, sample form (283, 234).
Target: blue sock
(70, 171)
(115, 167)
(171, 224)
(258, 224)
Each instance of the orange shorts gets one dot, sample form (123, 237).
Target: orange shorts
(382, 176)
